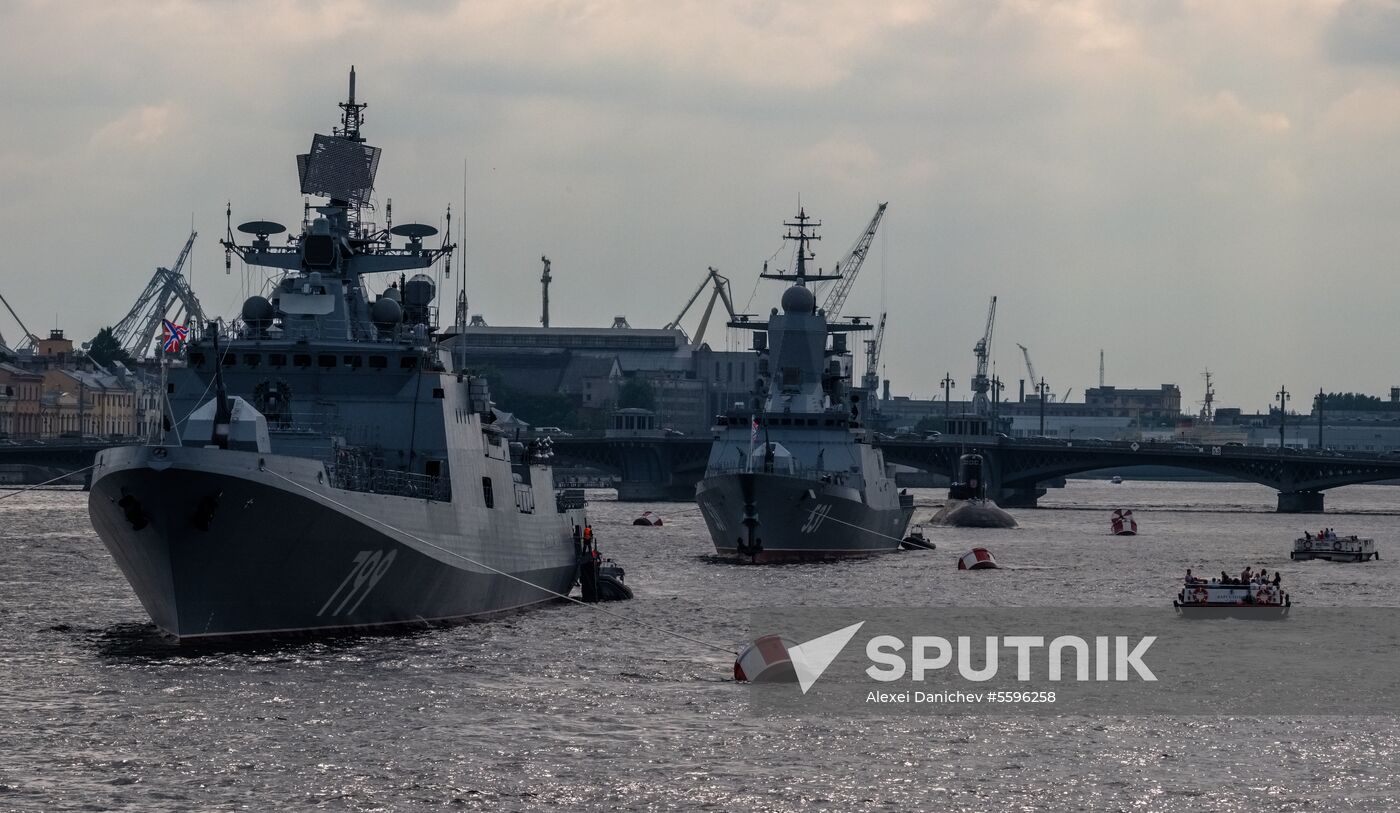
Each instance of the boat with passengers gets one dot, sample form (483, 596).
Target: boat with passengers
(1241, 598)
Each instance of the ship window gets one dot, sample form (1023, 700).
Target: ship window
(433, 468)
(378, 362)
(302, 359)
(438, 392)
(229, 359)
(277, 359)
(486, 494)
(354, 361)
(252, 360)
(408, 362)
(326, 361)
(196, 359)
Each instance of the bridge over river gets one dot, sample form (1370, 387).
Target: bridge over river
(668, 468)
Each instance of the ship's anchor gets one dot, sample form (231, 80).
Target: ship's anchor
(754, 546)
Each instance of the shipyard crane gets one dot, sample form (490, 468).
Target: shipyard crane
(870, 381)
(720, 285)
(849, 266)
(980, 382)
(167, 296)
(1030, 368)
(29, 338)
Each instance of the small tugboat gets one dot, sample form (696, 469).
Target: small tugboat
(917, 541)
(1117, 480)
(1334, 548)
(1123, 523)
(968, 506)
(1236, 599)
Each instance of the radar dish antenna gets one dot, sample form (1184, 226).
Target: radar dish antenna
(414, 231)
(261, 228)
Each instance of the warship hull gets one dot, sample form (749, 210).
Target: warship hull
(795, 519)
(219, 544)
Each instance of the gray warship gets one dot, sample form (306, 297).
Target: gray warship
(325, 462)
(791, 476)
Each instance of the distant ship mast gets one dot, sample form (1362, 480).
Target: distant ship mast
(805, 233)
(1208, 403)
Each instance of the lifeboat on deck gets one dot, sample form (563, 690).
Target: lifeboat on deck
(1123, 523)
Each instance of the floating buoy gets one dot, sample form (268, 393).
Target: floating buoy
(977, 559)
(766, 660)
(917, 541)
(647, 518)
(1123, 523)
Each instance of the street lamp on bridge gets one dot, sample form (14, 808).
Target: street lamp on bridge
(948, 385)
(1282, 397)
(1043, 390)
(1319, 399)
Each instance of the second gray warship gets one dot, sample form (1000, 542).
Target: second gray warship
(791, 476)
(327, 463)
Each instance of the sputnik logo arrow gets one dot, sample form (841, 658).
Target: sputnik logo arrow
(811, 658)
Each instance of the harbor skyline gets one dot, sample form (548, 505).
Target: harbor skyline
(1183, 186)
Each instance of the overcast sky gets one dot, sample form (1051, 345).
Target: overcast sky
(1183, 184)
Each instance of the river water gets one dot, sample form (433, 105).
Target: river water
(563, 708)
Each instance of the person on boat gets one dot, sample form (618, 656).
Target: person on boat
(1307, 536)
(1189, 578)
(1278, 577)
(1245, 574)
(1224, 577)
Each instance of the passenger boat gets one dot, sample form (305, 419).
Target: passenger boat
(1253, 600)
(1334, 548)
(1123, 523)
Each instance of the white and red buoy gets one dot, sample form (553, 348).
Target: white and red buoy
(977, 559)
(766, 660)
(647, 518)
(1123, 523)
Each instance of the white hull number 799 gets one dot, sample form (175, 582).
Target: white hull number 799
(369, 568)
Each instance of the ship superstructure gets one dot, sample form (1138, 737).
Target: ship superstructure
(791, 474)
(326, 462)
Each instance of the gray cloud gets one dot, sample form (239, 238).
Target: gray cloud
(1182, 184)
(1365, 32)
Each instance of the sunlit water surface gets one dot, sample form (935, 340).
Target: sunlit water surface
(562, 708)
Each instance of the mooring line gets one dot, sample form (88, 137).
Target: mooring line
(46, 482)
(468, 559)
(812, 511)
